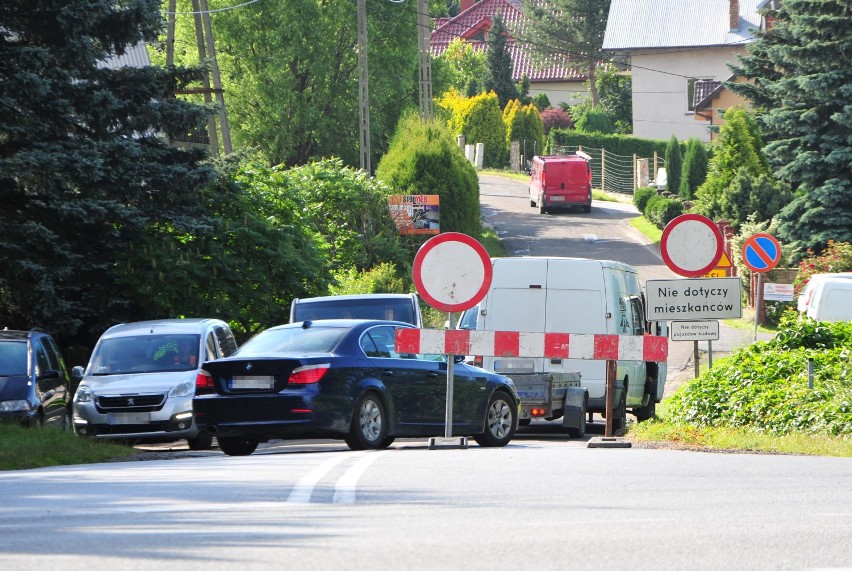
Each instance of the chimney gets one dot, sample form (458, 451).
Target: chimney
(734, 13)
(465, 4)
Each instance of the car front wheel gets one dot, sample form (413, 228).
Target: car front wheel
(500, 421)
(237, 445)
(369, 427)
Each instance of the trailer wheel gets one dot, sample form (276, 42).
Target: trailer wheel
(579, 431)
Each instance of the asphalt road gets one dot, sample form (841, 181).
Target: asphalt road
(540, 503)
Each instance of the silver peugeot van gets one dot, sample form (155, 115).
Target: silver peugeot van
(140, 380)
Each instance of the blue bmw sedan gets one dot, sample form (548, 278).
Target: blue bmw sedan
(344, 379)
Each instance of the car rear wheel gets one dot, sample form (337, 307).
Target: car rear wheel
(204, 441)
(500, 421)
(237, 445)
(369, 427)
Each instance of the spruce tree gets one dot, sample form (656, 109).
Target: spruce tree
(803, 84)
(85, 166)
(500, 64)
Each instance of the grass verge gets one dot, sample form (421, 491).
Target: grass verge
(25, 448)
(492, 243)
(738, 440)
(647, 228)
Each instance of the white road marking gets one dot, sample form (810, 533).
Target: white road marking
(301, 492)
(344, 491)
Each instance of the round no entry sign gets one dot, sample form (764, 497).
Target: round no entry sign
(691, 245)
(452, 272)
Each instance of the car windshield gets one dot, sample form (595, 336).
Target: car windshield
(13, 358)
(146, 354)
(293, 340)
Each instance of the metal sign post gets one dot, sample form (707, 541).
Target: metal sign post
(452, 272)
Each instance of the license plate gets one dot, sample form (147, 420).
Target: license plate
(557, 198)
(129, 418)
(242, 383)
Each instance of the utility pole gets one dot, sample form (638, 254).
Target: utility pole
(206, 49)
(424, 33)
(363, 88)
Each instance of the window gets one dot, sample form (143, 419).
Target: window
(690, 92)
(227, 343)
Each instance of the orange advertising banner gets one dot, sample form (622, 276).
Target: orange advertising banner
(415, 213)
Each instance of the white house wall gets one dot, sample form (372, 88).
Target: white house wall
(660, 89)
(570, 92)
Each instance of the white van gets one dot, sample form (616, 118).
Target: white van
(572, 295)
(827, 297)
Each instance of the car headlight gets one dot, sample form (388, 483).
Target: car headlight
(84, 394)
(14, 405)
(184, 389)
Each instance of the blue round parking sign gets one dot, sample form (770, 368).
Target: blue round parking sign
(761, 252)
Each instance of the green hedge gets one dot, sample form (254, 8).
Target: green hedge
(661, 210)
(625, 145)
(641, 197)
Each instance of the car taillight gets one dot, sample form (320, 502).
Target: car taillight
(308, 374)
(477, 360)
(203, 383)
(543, 179)
(537, 412)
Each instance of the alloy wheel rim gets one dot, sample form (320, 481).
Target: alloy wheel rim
(499, 419)
(371, 420)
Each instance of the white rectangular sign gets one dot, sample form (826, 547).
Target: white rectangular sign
(694, 330)
(777, 292)
(695, 298)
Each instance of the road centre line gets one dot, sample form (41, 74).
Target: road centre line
(344, 491)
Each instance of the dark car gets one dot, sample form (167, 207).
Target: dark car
(344, 379)
(34, 382)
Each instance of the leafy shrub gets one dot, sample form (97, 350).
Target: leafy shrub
(423, 158)
(837, 257)
(382, 278)
(541, 101)
(555, 118)
(641, 197)
(764, 387)
(594, 120)
(661, 210)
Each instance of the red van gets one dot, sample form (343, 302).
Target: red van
(561, 181)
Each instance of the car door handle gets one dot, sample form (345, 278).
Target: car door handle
(432, 374)
(387, 373)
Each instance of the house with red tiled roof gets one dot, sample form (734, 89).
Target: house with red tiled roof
(559, 81)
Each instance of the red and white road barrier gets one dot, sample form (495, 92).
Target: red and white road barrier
(528, 344)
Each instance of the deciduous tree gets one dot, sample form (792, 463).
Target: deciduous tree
(573, 28)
